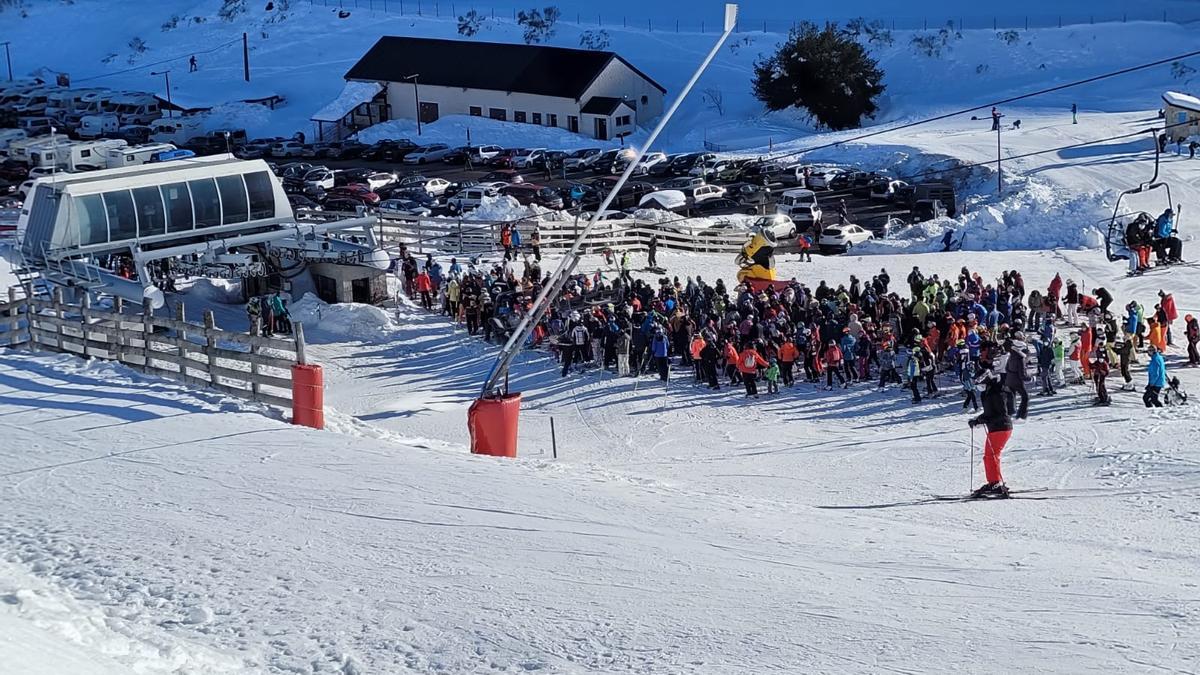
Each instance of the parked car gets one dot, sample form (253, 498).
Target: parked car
(458, 186)
(777, 224)
(505, 158)
(379, 179)
(649, 161)
(436, 186)
(928, 209)
(801, 206)
(435, 152)
(663, 168)
(722, 206)
(294, 170)
(320, 177)
(843, 237)
(481, 154)
(605, 162)
(529, 193)
(469, 198)
(403, 207)
(338, 149)
(861, 182)
(683, 165)
(682, 182)
(699, 193)
(357, 191)
(343, 204)
(821, 180)
(885, 189)
(629, 196)
(529, 158)
(504, 176)
(282, 149)
(302, 202)
(609, 215)
(389, 150)
(554, 160)
(457, 155)
(731, 170)
(581, 159)
(943, 192)
(409, 194)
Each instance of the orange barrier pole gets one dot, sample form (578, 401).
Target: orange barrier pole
(308, 388)
(492, 421)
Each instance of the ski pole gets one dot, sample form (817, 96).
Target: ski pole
(971, 483)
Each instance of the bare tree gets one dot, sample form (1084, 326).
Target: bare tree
(714, 99)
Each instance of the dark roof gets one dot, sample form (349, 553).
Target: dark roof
(600, 105)
(529, 69)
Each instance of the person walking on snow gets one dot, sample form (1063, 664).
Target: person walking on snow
(652, 251)
(192, 67)
(999, 430)
(749, 361)
(1192, 332)
(1074, 114)
(660, 347)
(1156, 375)
(771, 374)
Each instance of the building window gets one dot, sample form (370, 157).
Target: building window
(537, 118)
(179, 207)
(152, 220)
(83, 154)
(206, 203)
(551, 120)
(519, 116)
(122, 216)
(498, 114)
(645, 100)
(234, 205)
(623, 121)
(262, 195)
(476, 111)
(93, 223)
(573, 124)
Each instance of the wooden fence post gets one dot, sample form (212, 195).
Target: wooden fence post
(58, 314)
(181, 315)
(84, 308)
(147, 331)
(14, 317)
(210, 323)
(118, 351)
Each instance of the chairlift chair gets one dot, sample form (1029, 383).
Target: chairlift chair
(1114, 242)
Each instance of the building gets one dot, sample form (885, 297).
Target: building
(595, 93)
(1182, 113)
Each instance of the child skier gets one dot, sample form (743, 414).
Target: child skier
(772, 376)
(967, 377)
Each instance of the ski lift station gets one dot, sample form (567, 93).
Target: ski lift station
(226, 216)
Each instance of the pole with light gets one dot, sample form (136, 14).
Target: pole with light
(167, 75)
(999, 174)
(558, 279)
(416, 98)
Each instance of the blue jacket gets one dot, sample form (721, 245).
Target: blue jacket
(847, 345)
(516, 238)
(1164, 225)
(1157, 371)
(659, 345)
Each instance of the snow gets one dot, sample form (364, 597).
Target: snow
(346, 320)
(353, 95)
(1182, 100)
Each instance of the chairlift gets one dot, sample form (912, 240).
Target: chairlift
(1114, 242)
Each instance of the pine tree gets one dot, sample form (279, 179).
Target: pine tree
(824, 71)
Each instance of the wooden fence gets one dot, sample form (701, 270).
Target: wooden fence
(248, 366)
(464, 236)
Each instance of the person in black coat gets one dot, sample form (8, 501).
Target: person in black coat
(999, 430)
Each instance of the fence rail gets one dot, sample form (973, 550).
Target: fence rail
(444, 9)
(248, 366)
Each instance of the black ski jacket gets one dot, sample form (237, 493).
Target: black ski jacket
(995, 413)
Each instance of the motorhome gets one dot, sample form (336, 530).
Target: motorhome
(63, 102)
(95, 126)
(34, 103)
(18, 150)
(176, 131)
(69, 155)
(134, 154)
(13, 96)
(8, 136)
(137, 108)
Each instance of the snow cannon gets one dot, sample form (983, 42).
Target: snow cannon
(492, 422)
(757, 260)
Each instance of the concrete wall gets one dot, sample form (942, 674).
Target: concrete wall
(343, 275)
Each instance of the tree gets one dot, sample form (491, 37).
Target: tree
(470, 23)
(820, 69)
(538, 24)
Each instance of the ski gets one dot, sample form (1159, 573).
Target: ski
(1012, 494)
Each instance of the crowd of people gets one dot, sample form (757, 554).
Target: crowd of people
(977, 338)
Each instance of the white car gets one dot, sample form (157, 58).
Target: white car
(843, 237)
(528, 158)
(402, 208)
(886, 189)
(287, 149)
(819, 180)
(649, 160)
(436, 186)
(699, 193)
(801, 206)
(470, 198)
(380, 179)
(777, 224)
(429, 153)
(482, 153)
(581, 159)
(322, 178)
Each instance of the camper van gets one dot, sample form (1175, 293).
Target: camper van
(34, 103)
(8, 136)
(175, 131)
(135, 154)
(62, 102)
(73, 155)
(137, 108)
(95, 126)
(801, 206)
(35, 126)
(18, 150)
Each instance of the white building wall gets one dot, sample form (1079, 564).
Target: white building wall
(458, 101)
(619, 80)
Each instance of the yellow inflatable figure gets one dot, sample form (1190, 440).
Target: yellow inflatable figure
(757, 259)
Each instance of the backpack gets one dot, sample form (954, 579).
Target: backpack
(748, 360)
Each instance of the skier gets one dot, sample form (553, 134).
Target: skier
(709, 357)
(833, 366)
(659, 347)
(1192, 149)
(1074, 114)
(1156, 373)
(887, 366)
(999, 430)
(1123, 346)
(788, 354)
(1045, 359)
(1014, 376)
(1192, 331)
(771, 374)
(254, 315)
(626, 277)
(913, 371)
(749, 361)
(1100, 362)
(967, 378)
(652, 252)
(996, 119)
(424, 286)
(1072, 302)
(192, 65)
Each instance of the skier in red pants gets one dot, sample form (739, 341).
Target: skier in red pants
(999, 429)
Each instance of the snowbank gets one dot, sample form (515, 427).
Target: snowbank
(344, 320)
(505, 208)
(222, 291)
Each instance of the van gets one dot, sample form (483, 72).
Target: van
(175, 131)
(33, 103)
(134, 155)
(63, 102)
(94, 126)
(66, 155)
(469, 198)
(801, 206)
(18, 150)
(35, 126)
(139, 112)
(699, 193)
(8, 136)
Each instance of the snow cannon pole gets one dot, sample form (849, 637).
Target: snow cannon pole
(558, 279)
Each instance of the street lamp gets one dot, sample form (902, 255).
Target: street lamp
(8, 59)
(167, 75)
(416, 98)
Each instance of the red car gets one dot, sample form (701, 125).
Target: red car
(357, 191)
(504, 160)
